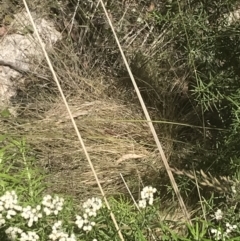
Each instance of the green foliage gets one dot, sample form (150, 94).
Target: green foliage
(16, 170)
(5, 113)
(198, 231)
(20, 174)
(206, 44)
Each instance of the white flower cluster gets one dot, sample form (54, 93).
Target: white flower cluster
(230, 228)
(84, 223)
(91, 206)
(217, 234)
(218, 214)
(31, 214)
(8, 206)
(220, 234)
(146, 196)
(59, 234)
(52, 205)
(15, 233)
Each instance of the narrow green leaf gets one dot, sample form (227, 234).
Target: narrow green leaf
(5, 113)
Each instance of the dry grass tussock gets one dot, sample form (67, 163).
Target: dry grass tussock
(108, 121)
(115, 138)
(114, 146)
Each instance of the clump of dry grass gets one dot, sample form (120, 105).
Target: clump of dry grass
(114, 145)
(115, 138)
